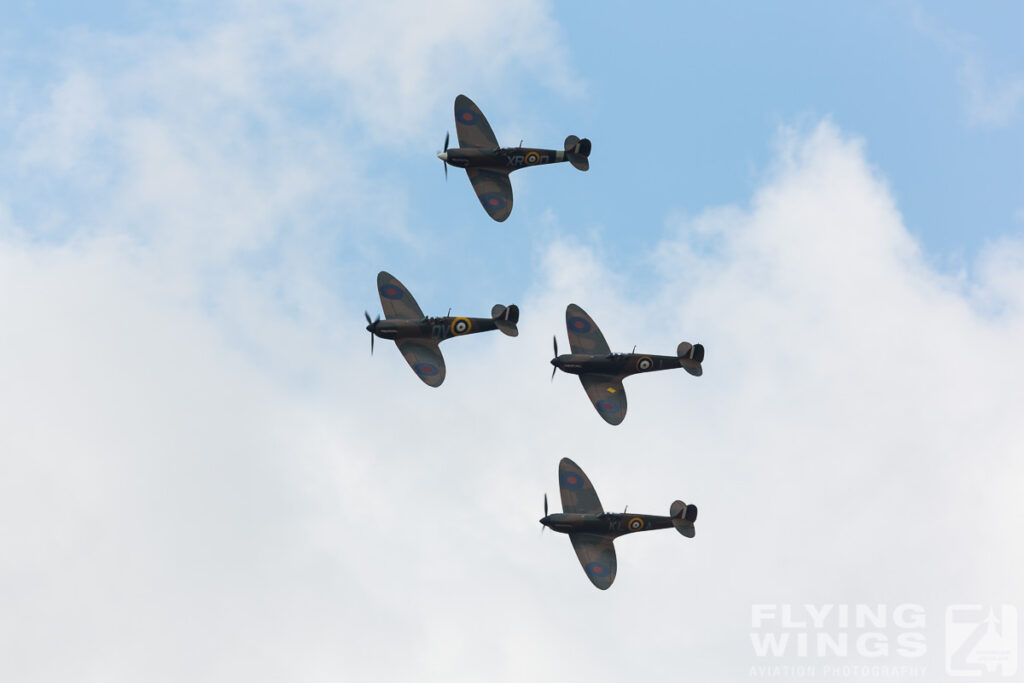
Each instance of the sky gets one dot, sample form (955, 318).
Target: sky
(205, 475)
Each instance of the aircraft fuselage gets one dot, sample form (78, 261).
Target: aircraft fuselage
(616, 364)
(437, 329)
(606, 523)
(506, 159)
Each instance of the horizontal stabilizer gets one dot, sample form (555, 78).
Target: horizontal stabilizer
(577, 151)
(691, 514)
(505, 318)
(683, 517)
(690, 357)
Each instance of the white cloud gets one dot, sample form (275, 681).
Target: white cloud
(989, 100)
(209, 496)
(212, 139)
(203, 475)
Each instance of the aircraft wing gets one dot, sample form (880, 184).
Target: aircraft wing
(494, 190)
(584, 334)
(597, 555)
(607, 395)
(578, 494)
(425, 359)
(471, 126)
(396, 300)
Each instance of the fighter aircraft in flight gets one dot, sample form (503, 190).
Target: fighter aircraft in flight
(592, 530)
(488, 163)
(418, 336)
(602, 371)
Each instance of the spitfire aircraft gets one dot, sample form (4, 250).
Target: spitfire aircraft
(602, 371)
(592, 530)
(488, 163)
(418, 336)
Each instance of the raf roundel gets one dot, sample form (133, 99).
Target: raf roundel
(596, 569)
(636, 524)
(578, 325)
(466, 116)
(571, 481)
(390, 291)
(532, 157)
(425, 369)
(607, 405)
(492, 201)
(644, 364)
(461, 326)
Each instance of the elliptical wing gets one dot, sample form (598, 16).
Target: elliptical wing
(584, 334)
(578, 494)
(471, 126)
(395, 299)
(596, 554)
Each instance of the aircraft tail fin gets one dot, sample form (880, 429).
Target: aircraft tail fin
(505, 318)
(690, 357)
(577, 151)
(683, 517)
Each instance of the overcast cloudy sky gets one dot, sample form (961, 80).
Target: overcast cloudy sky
(204, 475)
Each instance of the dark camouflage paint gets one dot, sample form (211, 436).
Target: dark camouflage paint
(592, 530)
(488, 164)
(601, 372)
(418, 336)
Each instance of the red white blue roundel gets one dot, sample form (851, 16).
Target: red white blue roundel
(492, 201)
(607, 405)
(425, 369)
(636, 524)
(390, 291)
(578, 325)
(571, 481)
(644, 364)
(532, 157)
(597, 569)
(467, 117)
(461, 326)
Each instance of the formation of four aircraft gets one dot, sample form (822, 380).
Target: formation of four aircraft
(488, 165)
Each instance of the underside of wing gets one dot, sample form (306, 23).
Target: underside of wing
(395, 299)
(607, 395)
(597, 556)
(584, 334)
(494, 190)
(425, 359)
(578, 494)
(471, 126)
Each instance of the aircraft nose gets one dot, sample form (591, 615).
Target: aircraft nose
(369, 328)
(443, 156)
(554, 361)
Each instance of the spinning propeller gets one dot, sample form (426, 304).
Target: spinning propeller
(371, 327)
(554, 341)
(542, 526)
(443, 156)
